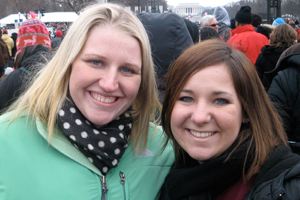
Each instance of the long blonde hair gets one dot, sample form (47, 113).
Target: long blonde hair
(46, 95)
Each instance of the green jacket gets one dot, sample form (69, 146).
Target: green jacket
(33, 169)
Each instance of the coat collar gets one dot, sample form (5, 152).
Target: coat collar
(62, 144)
(242, 29)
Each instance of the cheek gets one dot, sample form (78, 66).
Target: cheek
(176, 117)
(132, 87)
(231, 120)
(78, 73)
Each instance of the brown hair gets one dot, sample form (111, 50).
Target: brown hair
(256, 19)
(264, 128)
(283, 35)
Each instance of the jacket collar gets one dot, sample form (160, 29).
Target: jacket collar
(62, 144)
(242, 29)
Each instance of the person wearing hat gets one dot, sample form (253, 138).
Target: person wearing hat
(33, 47)
(244, 37)
(57, 40)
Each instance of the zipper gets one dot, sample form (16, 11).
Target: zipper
(104, 188)
(122, 181)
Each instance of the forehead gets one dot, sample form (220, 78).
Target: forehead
(213, 21)
(214, 77)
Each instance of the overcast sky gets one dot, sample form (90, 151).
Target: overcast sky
(213, 3)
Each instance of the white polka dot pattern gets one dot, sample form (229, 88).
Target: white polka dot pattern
(103, 147)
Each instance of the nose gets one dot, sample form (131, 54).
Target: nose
(201, 114)
(109, 81)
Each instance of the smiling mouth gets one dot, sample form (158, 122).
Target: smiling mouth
(201, 134)
(103, 99)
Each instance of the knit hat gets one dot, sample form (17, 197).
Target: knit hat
(278, 21)
(58, 33)
(5, 31)
(32, 32)
(244, 15)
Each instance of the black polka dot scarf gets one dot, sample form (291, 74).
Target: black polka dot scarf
(103, 146)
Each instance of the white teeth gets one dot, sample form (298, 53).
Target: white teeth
(103, 99)
(201, 135)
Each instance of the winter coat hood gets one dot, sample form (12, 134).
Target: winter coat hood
(221, 15)
(290, 60)
(168, 37)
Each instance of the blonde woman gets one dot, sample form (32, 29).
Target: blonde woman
(82, 131)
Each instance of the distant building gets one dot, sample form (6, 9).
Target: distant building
(188, 9)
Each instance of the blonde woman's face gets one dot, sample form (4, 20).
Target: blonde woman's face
(106, 75)
(207, 115)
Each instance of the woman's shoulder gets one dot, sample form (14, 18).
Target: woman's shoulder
(12, 117)
(156, 135)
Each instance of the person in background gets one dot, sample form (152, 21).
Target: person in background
(14, 50)
(169, 36)
(284, 93)
(228, 139)
(82, 130)
(57, 40)
(223, 20)
(9, 41)
(193, 30)
(33, 51)
(232, 23)
(210, 22)
(292, 24)
(4, 55)
(281, 38)
(208, 33)
(27, 63)
(256, 20)
(294, 49)
(265, 30)
(244, 37)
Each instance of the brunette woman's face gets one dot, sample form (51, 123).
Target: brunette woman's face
(207, 115)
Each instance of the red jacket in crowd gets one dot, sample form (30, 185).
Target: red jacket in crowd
(248, 41)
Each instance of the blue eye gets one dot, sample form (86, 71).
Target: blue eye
(126, 70)
(222, 101)
(186, 99)
(95, 62)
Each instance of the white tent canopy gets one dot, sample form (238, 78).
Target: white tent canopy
(59, 17)
(10, 19)
(49, 17)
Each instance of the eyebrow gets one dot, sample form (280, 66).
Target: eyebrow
(96, 56)
(216, 93)
(187, 91)
(222, 92)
